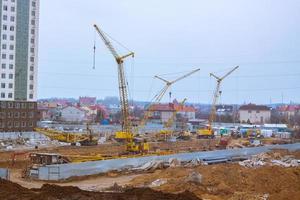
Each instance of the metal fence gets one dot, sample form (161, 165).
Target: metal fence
(64, 171)
(4, 173)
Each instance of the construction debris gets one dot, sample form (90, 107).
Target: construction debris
(266, 159)
(194, 177)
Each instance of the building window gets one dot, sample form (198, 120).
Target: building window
(23, 124)
(10, 95)
(11, 47)
(31, 68)
(4, 36)
(12, 37)
(2, 85)
(3, 75)
(3, 46)
(4, 27)
(2, 115)
(32, 50)
(11, 57)
(3, 104)
(23, 115)
(17, 105)
(31, 106)
(9, 124)
(31, 115)
(12, 9)
(32, 59)
(33, 4)
(11, 76)
(12, 28)
(31, 87)
(3, 66)
(32, 41)
(12, 18)
(31, 96)
(30, 124)
(5, 8)
(10, 115)
(17, 124)
(11, 66)
(4, 17)
(2, 95)
(32, 31)
(31, 77)
(10, 105)
(17, 115)
(23, 105)
(10, 85)
(3, 56)
(33, 13)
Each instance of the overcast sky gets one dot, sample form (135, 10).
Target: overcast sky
(170, 38)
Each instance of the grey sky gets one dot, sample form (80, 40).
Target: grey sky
(172, 36)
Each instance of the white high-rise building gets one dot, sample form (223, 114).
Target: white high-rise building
(19, 49)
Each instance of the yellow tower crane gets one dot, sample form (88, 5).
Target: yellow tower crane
(157, 98)
(126, 132)
(208, 131)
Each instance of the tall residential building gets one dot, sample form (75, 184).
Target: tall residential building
(19, 45)
(19, 25)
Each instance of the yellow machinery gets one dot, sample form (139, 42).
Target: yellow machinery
(62, 136)
(157, 98)
(208, 131)
(126, 133)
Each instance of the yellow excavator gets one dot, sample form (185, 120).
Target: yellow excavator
(208, 131)
(126, 133)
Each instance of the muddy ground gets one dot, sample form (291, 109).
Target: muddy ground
(12, 191)
(222, 181)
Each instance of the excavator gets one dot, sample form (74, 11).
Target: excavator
(208, 131)
(126, 133)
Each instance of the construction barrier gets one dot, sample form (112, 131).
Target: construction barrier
(4, 173)
(64, 171)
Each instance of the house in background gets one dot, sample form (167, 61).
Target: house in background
(289, 111)
(87, 101)
(254, 114)
(72, 114)
(162, 113)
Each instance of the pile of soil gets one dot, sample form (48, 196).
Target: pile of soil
(229, 181)
(12, 191)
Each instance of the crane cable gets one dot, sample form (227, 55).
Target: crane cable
(94, 48)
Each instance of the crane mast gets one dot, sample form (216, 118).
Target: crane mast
(217, 95)
(126, 124)
(162, 92)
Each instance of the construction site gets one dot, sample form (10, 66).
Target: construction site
(165, 152)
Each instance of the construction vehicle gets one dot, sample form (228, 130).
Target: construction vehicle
(157, 98)
(89, 141)
(126, 132)
(62, 136)
(208, 132)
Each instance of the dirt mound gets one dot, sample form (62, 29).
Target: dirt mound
(229, 181)
(12, 191)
